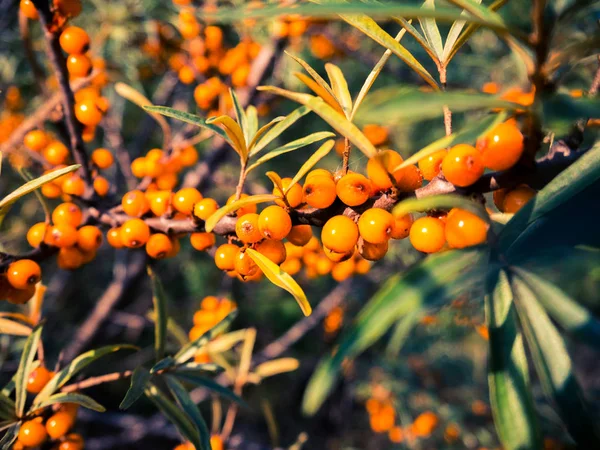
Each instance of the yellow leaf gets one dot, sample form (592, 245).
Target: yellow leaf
(17, 316)
(276, 366)
(212, 221)
(313, 73)
(340, 88)
(276, 179)
(323, 150)
(281, 279)
(234, 132)
(260, 133)
(8, 326)
(331, 101)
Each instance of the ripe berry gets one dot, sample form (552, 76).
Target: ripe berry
(338, 256)
(56, 153)
(159, 246)
(315, 172)
(291, 266)
(88, 113)
(216, 443)
(464, 229)
(213, 38)
(138, 167)
(188, 156)
(113, 236)
(247, 229)
(135, 203)
(427, 235)
(32, 433)
(515, 199)
(293, 251)
(73, 441)
(502, 147)
(51, 190)
(463, 165)
(225, 256)
(70, 258)
(293, 196)
(79, 65)
(401, 228)
(339, 234)
(205, 208)
(353, 189)
(59, 424)
(68, 8)
(239, 77)
(62, 235)
(89, 238)
(432, 165)
(499, 196)
(74, 40)
(28, 9)
(67, 213)
(202, 241)
(274, 250)
(134, 233)
(167, 181)
(319, 191)
(343, 270)
(244, 265)
(159, 201)
(103, 158)
(23, 273)
(38, 378)
(101, 186)
(300, 235)
(411, 179)
(20, 296)
(372, 252)
(36, 140)
(375, 225)
(185, 199)
(36, 234)
(377, 134)
(274, 222)
(243, 210)
(380, 168)
(74, 185)
(362, 266)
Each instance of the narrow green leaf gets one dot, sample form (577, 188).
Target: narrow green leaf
(214, 219)
(14, 328)
(210, 384)
(204, 368)
(421, 40)
(401, 333)
(233, 130)
(72, 397)
(7, 408)
(252, 120)
(453, 36)
(163, 364)
(317, 156)
(480, 12)
(10, 436)
(159, 300)
(262, 131)
(186, 117)
(139, 381)
(276, 128)
(340, 88)
(431, 30)
(25, 366)
(444, 201)
(313, 73)
(241, 117)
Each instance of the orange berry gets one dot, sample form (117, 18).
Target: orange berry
(239, 77)
(159, 201)
(213, 38)
(324, 265)
(339, 234)
(464, 229)
(274, 222)
(375, 225)
(23, 273)
(362, 266)
(186, 75)
(74, 40)
(516, 198)
(62, 235)
(343, 270)
(205, 208)
(427, 235)
(244, 209)
(28, 9)
(73, 441)
(70, 258)
(411, 179)
(67, 213)
(373, 252)
(401, 228)
(202, 241)
(463, 165)
(138, 167)
(32, 433)
(353, 189)
(247, 229)
(74, 185)
(216, 443)
(37, 233)
(36, 140)
(189, 30)
(51, 190)
(87, 112)
(319, 191)
(396, 435)
(38, 378)
(300, 235)
(380, 168)
(188, 156)
(377, 134)
(274, 250)
(185, 199)
(432, 165)
(293, 195)
(499, 196)
(79, 65)
(101, 186)
(244, 265)
(55, 153)
(134, 233)
(20, 296)
(135, 203)
(89, 238)
(159, 246)
(59, 424)
(225, 256)
(203, 96)
(291, 266)
(113, 236)
(103, 158)
(68, 8)
(424, 424)
(293, 251)
(502, 147)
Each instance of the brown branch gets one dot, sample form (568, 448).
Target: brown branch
(596, 82)
(38, 72)
(95, 381)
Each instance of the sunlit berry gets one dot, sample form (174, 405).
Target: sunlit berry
(138, 167)
(74, 185)
(432, 165)
(36, 140)
(72, 441)
(101, 186)
(343, 270)
(51, 190)
(23, 273)
(247, 228)
(381, 170)
(74, 40)
(188, 156)
(427, 235)
(377, 134)
(38, 378)
(300, 235)
(401, 228)
(319, 191)
(134, 233)
(339, 234)
(225, 256)
(135, 203)
(67, 213)
(516, 198)
(28, 9)
(62, 235)
(274, 222)
(103, 158)
(274, 250)
(37, 233)
(464, 229)
(353, 189)
(375, 225)
(79, 65)
(244, 209)
(502, 147)
(159, 246)
(56, 153)
(202, 241)
(293, 195)
(88, 113)
(32, 433)
(113, 236)
(205, 208)
(244, 265)
(59, 424)
(185, 199)
(89, 238)
(463, 165)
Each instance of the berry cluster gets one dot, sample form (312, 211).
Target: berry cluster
(212, 311)
(17, 285)
(216, 443)
(163, 168)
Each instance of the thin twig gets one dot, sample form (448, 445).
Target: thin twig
(346, 156)
(95, 381)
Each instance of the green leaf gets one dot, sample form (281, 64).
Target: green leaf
(290, 147)
(159, 300)
(174, 414)
(214, 219)
(14, 328)
(444, 201)
(402, 332)
(241, 117)
(188, 351)
(317, 156)
(340, 88)
(28, 177)
(25, 366)
(453, 36)
(163, 364)
(480, 12)
(7, 408)
(431, 31)
(553, 366)
(252, 121)
(10, 436)
(76, 366)
(508, 378)
(277, 126)
(421, 40)
(210, 384)
(281, 279)
(313, 73)
(139, 380)
(186, 117)
(435, 279)
(561, 111)
(191, 409)
(194, 367)
(72, 397)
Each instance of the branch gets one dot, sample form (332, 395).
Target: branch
(38, 72)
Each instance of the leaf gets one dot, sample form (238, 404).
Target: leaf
(479, 11)
(402, 332)
(210, 384)
(25, 366)
(281, 279)
(159, 301)
(174, 414)
(422, 41)
(10, 436)
(317, 156)
(322, 93)
(191, 409)
(212, 221)
(467, 135)
(443, 201)
(276, 367)
(554, 369)
(31, 186)
(331, 116)
(560, 111)
(235, 134)
(453, 36)
(188, 351)
(431, 31)
(241, 117)
(276, 180)
(72, 397)
(508, 378)
(316, 77)
(139, 381)
(375, 32)
(252, 120)
(194, 367)
(8, 326)
(274, 129)
(7, 408)
(290, 147)
(261, 132)
(186, 117)
(340, 88)
(76, 366)
(435, 279)
(571, 316)
(163, 364)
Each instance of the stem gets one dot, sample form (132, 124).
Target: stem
(346, 156)
(242, 180)
(596, 82)
(95, 381)
(447, 112)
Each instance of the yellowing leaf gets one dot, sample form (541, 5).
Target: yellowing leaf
(276, 179)
(8, 326)
(276, 366)
(212, 221)
(340, 88)
(281, 279)
(443, 201)
(329, 99)
(240, 114)
(261, 132)
(234, 132)
(310, 163)
(280, 127)
(313, 73)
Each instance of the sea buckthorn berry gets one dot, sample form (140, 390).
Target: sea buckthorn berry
(188, 156)
(216, 443)
(202, 241)
(244, 209)
(153, 168)
(138, 167)
(427, 235)
(209, 303)
(167, 181)
(239, 77)
(32, 433)
(375, 225)
(353, 189)
(36, 140)
(23, 273)
(319, 191)
(225, 256)
(377, 134)
(62, 235)
(362, 266)
(411, 179)
(372, 252)
(293, 195)
(89, 238)
(87, 112)
(424, 424)
(401, 228)
(464, 229)
(502, 147)
(51, 190)
(38, 378)
(20, 296)
(205, 208)
(315, 172)
(186, 75)
(185, 199)
(68, 8)
(135, 203)
(113, 236)
(70, 258)
(274, 250)
(72, 441)
(300, 235)
(79, 65)
(101, 186)
(516, 198)
(247, 229)
(432, 165)
(88, 256)
(291, 266)
(28, 9)
(274, 222)
(340, 234)
(74, 40)
(103, 158)
(134, 233)
(244, 265)
(463, 165)
(36, 234)
(203, 96)
(343, 270)
(74, 185)
(380, 170)
(67, 213)
(159, 201)
(59, 424)
(159, 246)
(56, 153)
(499, 196)
(213, 38)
